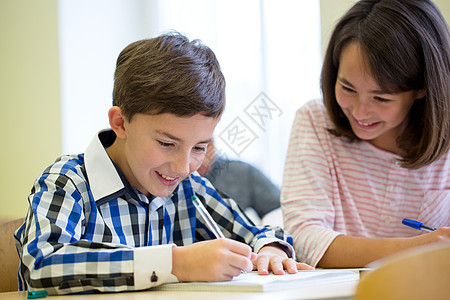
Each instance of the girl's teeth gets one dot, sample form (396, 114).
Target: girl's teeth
(365, 124)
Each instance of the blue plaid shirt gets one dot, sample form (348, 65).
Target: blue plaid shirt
(87, 229)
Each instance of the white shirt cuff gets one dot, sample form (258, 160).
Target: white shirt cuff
(153, 266)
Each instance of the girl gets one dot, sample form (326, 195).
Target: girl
(376, 149)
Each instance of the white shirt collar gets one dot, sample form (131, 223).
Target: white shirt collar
(103, 177)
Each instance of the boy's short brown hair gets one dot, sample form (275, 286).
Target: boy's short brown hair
(169, 74)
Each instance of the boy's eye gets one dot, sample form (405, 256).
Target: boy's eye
(200, 148)
(164, 144)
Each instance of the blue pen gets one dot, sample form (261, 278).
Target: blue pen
(417, 225)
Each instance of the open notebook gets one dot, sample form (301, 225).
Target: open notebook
(252, 282)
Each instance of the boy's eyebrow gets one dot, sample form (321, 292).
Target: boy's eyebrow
(346, 82)
(172, 137)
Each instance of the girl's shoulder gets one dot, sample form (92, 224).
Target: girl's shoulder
(314, 114)
(314, 106)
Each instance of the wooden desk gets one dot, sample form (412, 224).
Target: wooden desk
(335, 291)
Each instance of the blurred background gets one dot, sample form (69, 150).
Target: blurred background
(58, 57)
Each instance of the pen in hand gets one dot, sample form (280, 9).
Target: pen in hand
(417, 225)
(212, 225)
(207, 218)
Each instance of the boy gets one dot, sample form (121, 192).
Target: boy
(120, 216)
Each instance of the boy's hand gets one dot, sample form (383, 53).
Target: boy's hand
(272, 258)
(214, 260)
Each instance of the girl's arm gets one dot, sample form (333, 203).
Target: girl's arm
(307, 191)
(348, 251)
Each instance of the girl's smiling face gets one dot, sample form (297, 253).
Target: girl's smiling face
(375, 115)
(156, 152)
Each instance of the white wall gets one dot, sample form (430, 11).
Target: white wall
(263, 47)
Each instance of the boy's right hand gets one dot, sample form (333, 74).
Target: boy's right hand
(213, 260)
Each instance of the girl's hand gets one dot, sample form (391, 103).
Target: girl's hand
(272, 258)
(441, 234)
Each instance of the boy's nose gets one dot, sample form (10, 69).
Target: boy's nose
(180, 165)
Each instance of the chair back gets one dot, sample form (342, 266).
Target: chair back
(418, 273)
(9, 259)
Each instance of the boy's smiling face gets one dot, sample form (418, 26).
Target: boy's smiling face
(156, 152)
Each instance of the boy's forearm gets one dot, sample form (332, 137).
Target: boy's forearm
(83, 270)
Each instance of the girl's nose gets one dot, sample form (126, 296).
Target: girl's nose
(361, 108)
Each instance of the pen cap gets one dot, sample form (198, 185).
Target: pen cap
(412, 223)
(37, 294)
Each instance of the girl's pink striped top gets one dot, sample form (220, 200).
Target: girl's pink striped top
(332, 187)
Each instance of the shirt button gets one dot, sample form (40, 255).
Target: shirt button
(154, 277)
(387, 220)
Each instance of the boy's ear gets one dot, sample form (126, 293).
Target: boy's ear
(117, 121)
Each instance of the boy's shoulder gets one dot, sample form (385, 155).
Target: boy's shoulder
(67, 172)
(68, 165)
